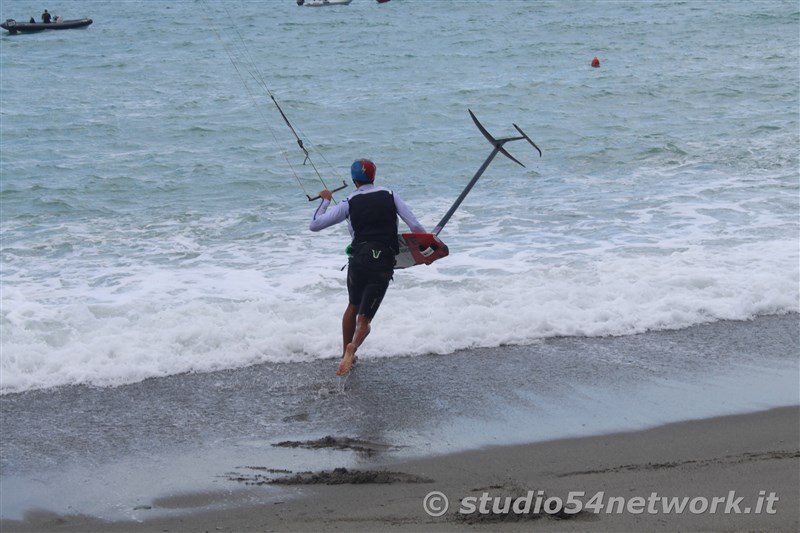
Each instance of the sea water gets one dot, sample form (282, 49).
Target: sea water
(154, 209)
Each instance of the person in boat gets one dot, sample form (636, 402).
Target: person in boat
(371, 213)
(46, 17)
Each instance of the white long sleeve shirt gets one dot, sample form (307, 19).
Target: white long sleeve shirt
(324, 218)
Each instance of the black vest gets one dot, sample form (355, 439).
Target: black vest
(373, 217)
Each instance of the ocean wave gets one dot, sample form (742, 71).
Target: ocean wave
(163, 321)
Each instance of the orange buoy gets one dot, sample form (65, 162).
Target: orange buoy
(595, 62)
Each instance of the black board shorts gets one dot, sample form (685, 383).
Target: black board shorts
(369, 272)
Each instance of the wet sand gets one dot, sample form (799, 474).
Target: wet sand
(279, 447)
(756, 455)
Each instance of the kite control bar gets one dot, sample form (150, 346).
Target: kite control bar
(317, 197)
(498, 147)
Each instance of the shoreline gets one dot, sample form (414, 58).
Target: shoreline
(755, 455)
(189, 450)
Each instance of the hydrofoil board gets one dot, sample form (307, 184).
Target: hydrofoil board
(419, 249)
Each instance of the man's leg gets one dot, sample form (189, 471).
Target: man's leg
(358, 326)
(348, 325)
(362, 329)
(355, 329)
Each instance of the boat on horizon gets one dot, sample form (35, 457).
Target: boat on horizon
(31, 27)
(322, 3)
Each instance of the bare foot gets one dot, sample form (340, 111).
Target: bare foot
(347, 360)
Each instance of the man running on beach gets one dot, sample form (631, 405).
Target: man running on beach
(372, 214)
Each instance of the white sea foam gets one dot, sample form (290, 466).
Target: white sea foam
(150, 322)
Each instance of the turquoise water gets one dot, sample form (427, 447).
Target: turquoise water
(154, 218)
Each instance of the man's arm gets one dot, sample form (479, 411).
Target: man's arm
(324, 218)
(408, 217)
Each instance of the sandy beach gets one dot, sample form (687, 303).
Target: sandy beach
(749, 463)
(514, 438)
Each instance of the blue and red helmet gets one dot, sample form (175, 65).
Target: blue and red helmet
(363, 171)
